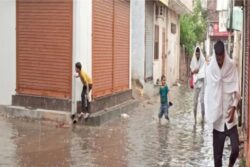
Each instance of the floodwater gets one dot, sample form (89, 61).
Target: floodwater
(137, 141)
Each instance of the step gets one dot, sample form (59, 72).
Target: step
(36, 114)
(101, 117)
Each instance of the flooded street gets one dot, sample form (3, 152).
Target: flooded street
(137, 141)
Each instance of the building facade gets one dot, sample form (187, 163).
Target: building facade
(44, 39)
(156, 41)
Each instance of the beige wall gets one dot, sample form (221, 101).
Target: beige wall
(157, 65)
(173, 49)
(237, 52)
(188, 4)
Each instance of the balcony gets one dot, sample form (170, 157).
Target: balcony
(181, 6)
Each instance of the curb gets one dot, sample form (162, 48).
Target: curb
(35, 114)
(96, 119)
(99, 118)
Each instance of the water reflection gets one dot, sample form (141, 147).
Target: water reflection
(137, 142)
(7, 145)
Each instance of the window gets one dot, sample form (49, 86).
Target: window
(173, 28)
(157, 10)
(156, 43)
(160, 11)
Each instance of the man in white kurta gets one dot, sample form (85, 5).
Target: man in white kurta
(196, 67)
(221, 99)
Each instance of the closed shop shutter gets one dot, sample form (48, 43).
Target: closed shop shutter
(44, 47)
(121, 45)
(102, 47)
(110, 46)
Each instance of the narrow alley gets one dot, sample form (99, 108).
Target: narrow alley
(134, 141)
(105, 61)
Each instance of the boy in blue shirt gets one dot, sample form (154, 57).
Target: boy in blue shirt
(164, 99)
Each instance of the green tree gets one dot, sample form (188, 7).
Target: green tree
(193, 28)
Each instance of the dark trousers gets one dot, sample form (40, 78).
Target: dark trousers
(85, 100)
(218, 145)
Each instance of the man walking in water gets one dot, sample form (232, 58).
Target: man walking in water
(221, 98)
(197, 71)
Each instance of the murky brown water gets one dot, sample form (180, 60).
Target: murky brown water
(135, 142)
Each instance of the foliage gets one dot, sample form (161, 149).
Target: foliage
(193, 28)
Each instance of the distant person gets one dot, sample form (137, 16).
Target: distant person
(87, 86)
(221, 98)
(164, 92)
(197, 71)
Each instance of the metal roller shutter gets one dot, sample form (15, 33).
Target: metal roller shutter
(102, 47)
(121, 45)
(110, 46)
(44, 47)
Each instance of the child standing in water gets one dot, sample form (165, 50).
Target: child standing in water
(164, 90)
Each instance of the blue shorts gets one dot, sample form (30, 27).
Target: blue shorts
(163, 110)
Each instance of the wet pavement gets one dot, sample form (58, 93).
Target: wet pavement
(137, 141)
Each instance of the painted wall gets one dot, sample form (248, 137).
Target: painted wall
(188, 4)
(173, 49)
(162, 23)
(82, 41)
(204, 4)
(138, 39)
(237, 53)
(149, 41)
(158, 63)
(7, 50)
